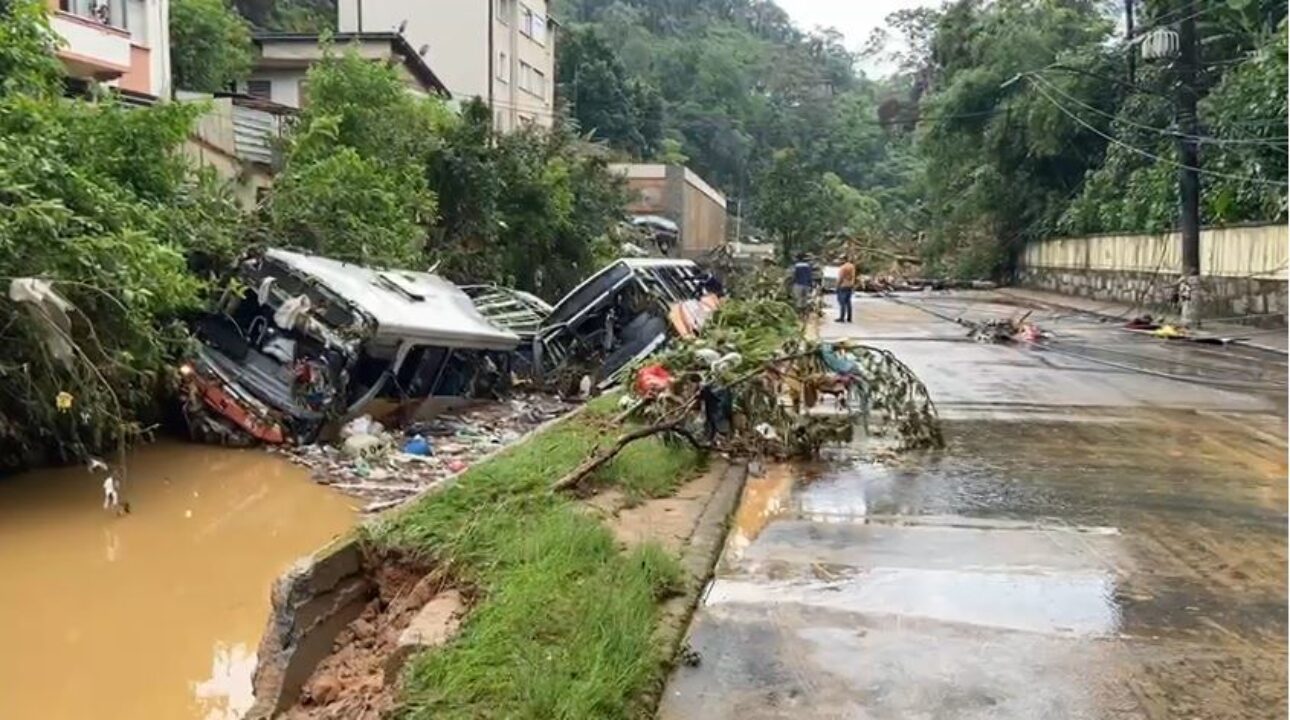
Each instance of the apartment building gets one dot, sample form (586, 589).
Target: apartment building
(502, 51)
(124, 43)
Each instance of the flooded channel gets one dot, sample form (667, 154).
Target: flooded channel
(156, 614)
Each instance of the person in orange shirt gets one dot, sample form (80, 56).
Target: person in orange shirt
(846, 287)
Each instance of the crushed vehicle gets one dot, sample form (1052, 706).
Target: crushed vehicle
(300, 341)
(658, 232)
(618, 316)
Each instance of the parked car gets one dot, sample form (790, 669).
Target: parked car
(307, 339)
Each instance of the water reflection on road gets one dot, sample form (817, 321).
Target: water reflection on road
(157, 614)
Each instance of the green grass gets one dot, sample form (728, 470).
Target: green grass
(565, 620)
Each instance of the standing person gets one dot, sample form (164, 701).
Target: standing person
(846, 287)
(803, 278)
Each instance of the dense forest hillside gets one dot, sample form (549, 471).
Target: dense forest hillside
(1007, 121)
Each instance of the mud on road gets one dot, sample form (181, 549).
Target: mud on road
(1090, 545)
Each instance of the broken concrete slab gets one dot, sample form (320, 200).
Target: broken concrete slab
(433, 626)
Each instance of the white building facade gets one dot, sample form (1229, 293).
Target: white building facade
(124, 43)
(501, 51)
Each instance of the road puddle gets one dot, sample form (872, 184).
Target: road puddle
(156, 614)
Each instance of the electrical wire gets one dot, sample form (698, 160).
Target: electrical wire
(1207, 139)
(1149, 155)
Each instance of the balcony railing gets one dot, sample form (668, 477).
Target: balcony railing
(106, 12)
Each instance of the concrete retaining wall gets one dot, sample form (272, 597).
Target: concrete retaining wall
(1243, 269)
(311, 604)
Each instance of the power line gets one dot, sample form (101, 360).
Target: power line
(1163, 131)
(1152, 156)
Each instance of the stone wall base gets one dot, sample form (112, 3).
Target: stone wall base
(1256, 301)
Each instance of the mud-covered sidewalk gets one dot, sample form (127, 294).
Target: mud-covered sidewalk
(1104, 537)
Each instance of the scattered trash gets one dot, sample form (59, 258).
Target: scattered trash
(50, 312)
(417, 445)
(1004, 331)
(1168, 332)
(387, 467)
(767, 431)
(652, 380)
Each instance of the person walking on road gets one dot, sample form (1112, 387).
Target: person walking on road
(803, 278)
(846, 287)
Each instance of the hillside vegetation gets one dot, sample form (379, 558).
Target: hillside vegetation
(1007, 121)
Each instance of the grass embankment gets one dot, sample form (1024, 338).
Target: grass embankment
(564, 622)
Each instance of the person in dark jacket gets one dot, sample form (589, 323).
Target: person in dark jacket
(803, 278)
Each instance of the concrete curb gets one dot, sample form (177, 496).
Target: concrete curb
(699, 559)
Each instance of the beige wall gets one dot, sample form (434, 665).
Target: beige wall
(1253, 252)
(704, 225)
(213, 144)
(679, 194)
(457, 33)
(524, 80)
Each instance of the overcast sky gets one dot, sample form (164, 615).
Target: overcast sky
(854, 18)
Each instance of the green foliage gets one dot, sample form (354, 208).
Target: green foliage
(97, 199)
(354, 183)
(299, 16)
(524, 209)
(603, 100)
(564, 623)
(27, 63)
(350, 208)
(210, 45)
(1247, 109)
(795, 205)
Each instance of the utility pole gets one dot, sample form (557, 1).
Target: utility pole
(1128, 38)
(1188, 157)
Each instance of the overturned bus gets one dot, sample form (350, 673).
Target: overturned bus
(305, 340)
(620, 315)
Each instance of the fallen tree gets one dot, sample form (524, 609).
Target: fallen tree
(751, 385)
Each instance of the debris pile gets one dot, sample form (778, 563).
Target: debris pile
(1003, 330)
(387, 467)
(752, 385)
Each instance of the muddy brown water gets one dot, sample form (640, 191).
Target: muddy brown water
(157, 614)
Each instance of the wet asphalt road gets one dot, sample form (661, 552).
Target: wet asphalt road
(1103, 537)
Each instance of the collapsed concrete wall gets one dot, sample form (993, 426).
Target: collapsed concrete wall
(311, 604)
(1243, 270)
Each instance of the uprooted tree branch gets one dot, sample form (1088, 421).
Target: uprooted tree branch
(751, 386)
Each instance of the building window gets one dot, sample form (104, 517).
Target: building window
(538, 30)
(533, 24)
(504, 12)
(503, 68)
(539, 84)
(526, 76)
(262, 89)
